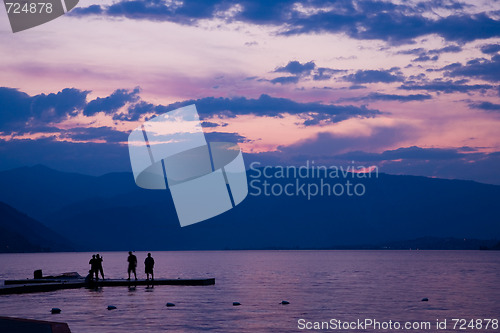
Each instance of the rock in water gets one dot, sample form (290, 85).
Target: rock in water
(55, 311)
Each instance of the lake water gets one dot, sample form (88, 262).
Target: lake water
(320, 285)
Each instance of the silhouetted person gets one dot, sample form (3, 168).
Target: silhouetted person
(93, 267)
(149, 264)
(98, 261)
(89, 279)
(132, 264)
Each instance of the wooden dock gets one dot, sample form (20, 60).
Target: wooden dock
(43, 285)
(20, 325)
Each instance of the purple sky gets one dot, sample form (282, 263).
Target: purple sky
(411, 87)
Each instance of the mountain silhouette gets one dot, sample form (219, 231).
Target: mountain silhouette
(39, 190)
(20, 233)
(111, 213)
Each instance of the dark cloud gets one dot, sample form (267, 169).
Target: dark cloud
(490, 48)
(296, 68)
(266, 105)
(306, 70)
(424, 57)
(454, 163)
(324, 146)
(285, 80)
(389, 97)
(136, 111)
(395, 23)
(417, 51)
(209, 124)
(414, 78)
(22, 112)
(15, 108)
(26, 114)
(54, 107)
(452, 66)
(488, 70)
(438, 4)
(430, 55)
(151, 10)
(487, 106)
(95, 133)
(413, 152)
(373, 76)
(111, 103)
(323, 73)
(466, 28)
(447, 87)
(398, 24)
(446, 49)
(225, 137)
(357, 86)
(329, 149)
(43, 129)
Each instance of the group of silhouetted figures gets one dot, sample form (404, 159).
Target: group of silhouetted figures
(96, 266)
(149, 264)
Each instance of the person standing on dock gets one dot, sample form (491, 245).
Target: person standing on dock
(149, 264)
(93, 268)
(98, 261)
(132, 264)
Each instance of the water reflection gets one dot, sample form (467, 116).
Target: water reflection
(318, 284)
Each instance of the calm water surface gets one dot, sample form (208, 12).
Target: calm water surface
(320, 285)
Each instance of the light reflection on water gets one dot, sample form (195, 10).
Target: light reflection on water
(383, 285)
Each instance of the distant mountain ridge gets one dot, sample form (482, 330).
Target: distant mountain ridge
(111, 213)
(20, 233)
(38, 190)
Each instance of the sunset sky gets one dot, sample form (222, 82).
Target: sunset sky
(409, 86)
